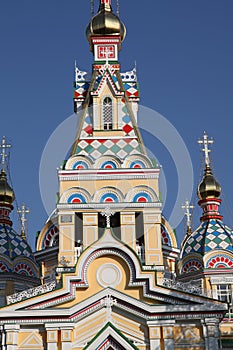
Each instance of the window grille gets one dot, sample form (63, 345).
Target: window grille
(107, 113)
(224, 293)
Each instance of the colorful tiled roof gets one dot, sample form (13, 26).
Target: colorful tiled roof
(13, 245)
(211, 235)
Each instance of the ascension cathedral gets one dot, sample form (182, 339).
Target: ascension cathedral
(107, 272)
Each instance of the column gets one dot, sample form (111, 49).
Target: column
(12, 331)
(128, 232)
(90, 229)
(66, 337)
(211, 333)
(52, 336)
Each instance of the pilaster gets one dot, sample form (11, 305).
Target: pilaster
(11, 331)
(52, 336)
(168, 337)
(161, 334)
(211, 333)
(90, 228)
(66, 337)
(128, 232)
(155, 337)
(66, 238)
(152, 235)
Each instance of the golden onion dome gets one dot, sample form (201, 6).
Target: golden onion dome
(105, 23)
(209, 187)
(7, 195)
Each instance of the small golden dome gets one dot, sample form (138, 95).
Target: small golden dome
(7, 195)
(209, 187)
(105, 23)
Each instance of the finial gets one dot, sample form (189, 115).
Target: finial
(206, 142)
(118, 9)
(108, 213)
(92, 8)
(4, 145)
(105, 2)
(22, 217)
(186, 207)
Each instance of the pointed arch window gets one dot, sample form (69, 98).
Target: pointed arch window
(107, 113)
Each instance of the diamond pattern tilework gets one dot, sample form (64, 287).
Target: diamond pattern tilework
(210, 235)
(96, 148)
(3, 250)
(131, 90)
(87, 127)
(223, 245)
(80, 89)
(220, 238)
(118, 147)
(10, 240)
(127, 125)
(212, 245)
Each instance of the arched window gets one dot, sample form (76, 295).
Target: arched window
(107, 113)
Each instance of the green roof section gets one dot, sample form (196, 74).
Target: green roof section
(109, 324)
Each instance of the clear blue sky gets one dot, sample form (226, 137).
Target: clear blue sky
(184, 55)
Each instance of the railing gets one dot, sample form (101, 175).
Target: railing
(185, 287)
(32, 292)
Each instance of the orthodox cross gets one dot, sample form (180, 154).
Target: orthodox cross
(108, 213)
(118, 8)
(22, 214)
(186, 207)
(206, 142)
(4, 147)
(92, 8)
(109, 302)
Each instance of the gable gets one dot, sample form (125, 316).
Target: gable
(110, 338)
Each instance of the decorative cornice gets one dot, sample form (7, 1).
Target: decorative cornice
(126, 303)
(107, 176)
(109, 172)
(100, 206)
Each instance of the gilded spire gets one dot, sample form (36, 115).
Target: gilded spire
(209, 190)
(4, 146)
(7, 195)
(6, 192)
(105, 23)
(209, 187)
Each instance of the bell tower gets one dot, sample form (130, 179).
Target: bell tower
(108, 170)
